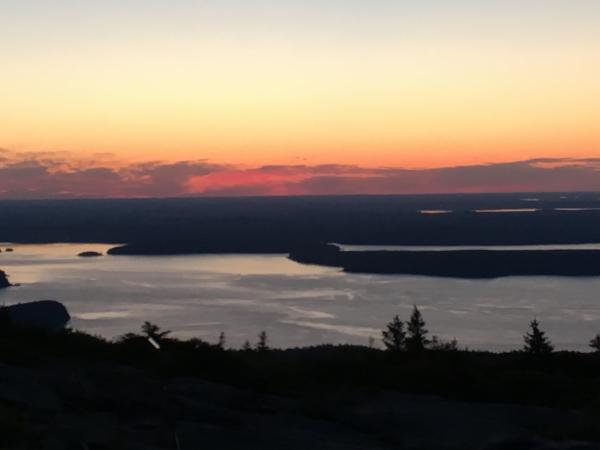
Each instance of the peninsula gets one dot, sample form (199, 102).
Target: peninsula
(456, 263)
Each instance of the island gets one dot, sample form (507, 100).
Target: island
(89, 254)
(455, 263)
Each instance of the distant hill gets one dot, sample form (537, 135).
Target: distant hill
(278, 224)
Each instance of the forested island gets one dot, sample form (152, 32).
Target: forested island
(455, 263)
(89, 254)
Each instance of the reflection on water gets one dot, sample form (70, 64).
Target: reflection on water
(435, 211)
(449, 248)
(507, 210)
(51, 251)
(297, 305)
(576, 209)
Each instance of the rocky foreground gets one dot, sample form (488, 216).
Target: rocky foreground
(48, 314)
(63, 389)
(103, 406)
(68, 390)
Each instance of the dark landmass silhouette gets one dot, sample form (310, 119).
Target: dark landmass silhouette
(279, 224)
(319, 254)
(89, 254)
(79, 391)
(455, 263)
(4, 283)
(44, 313)
(68, 389)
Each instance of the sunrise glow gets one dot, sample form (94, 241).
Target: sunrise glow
(380, 84)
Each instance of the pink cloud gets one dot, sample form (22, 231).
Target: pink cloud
(61, 175)
(520, 176)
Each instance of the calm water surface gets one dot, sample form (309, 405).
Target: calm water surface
(297, 305)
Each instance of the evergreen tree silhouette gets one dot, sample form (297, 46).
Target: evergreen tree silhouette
(536, 342)
(262, 342)
(416, 340)
(247, 347)
(222, 340)
(394, 337)
(153, 331)
(443, 346)
(595, 343)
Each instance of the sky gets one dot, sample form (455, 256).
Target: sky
(258, 96)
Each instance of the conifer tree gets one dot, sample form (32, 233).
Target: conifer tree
(262, 342)
(595, 343)
(222, 340)
(416, 340)
(443, 346)
(536, 342)
(394, 337)
(153, 331)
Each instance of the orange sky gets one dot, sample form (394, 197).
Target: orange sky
(380, 87)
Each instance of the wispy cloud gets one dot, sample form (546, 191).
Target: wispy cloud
(62, 175)
(57, 175)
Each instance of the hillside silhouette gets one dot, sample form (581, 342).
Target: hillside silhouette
(148, 389)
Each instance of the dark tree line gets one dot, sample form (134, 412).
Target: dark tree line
(398, 336)
(412, 336)
(156, 334)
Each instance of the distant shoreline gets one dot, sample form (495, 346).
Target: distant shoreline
(460, 262)
(277, 225)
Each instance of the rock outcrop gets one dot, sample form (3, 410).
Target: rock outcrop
(4, 283)
(89, 254)
(45, 313)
